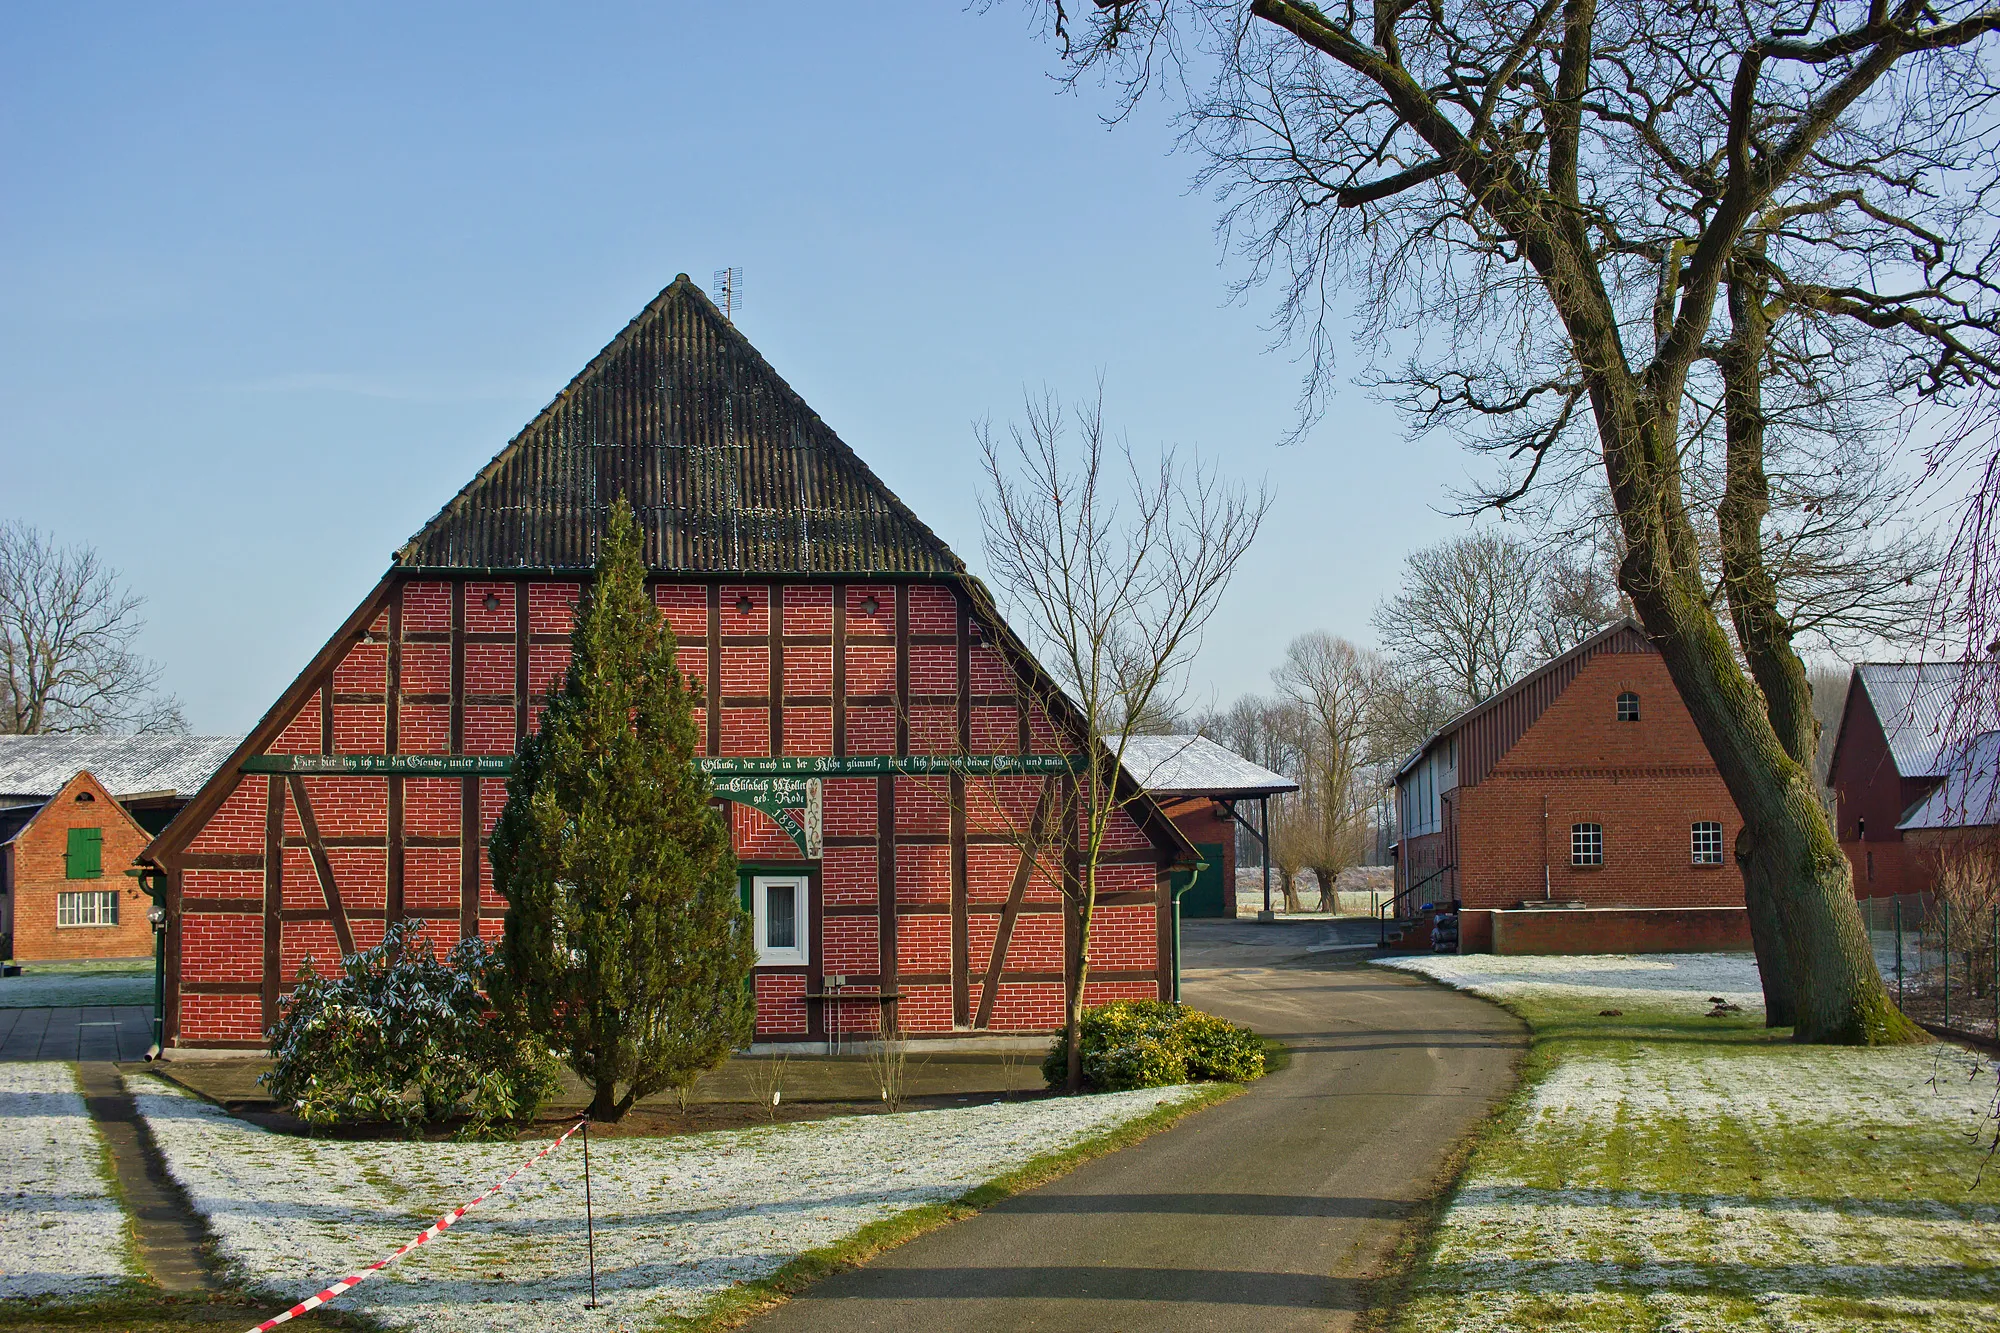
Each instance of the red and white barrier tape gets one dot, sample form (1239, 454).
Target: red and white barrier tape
(422, 1238)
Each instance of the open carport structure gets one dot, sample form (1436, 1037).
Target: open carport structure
(1203, 788)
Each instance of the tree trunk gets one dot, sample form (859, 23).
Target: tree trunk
(1073, 1009)
(605, 1107)
(1808, 886)
(1753, 608)
(1787, 848)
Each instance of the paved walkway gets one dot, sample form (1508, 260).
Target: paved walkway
(1270, 1212)
(169, 1232)
(97, 1032)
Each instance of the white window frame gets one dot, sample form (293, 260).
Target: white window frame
(760, 887)
(1712, 855)
(1581, 837)
(101, 910)
(1620, 706)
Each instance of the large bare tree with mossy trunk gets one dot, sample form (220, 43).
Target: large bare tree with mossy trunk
(1109, 565)
(1583, 215)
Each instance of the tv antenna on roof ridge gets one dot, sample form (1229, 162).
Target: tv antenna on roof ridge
(728, 291)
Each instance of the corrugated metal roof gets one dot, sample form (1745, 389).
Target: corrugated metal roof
(1970, 794)
(728, 469)
(1169, 765)
(1918, 705)
(126, 765)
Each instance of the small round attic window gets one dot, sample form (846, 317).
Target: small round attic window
(85, 798)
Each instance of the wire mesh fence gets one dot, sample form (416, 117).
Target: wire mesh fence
(1940, 961)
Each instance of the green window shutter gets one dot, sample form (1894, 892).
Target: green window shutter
(86, 854)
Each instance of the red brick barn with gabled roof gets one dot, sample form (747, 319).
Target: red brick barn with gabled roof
(1577, 811)
(881, 739)
(1901, 732)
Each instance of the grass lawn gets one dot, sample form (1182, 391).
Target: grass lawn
(145, 1311)
(110, 981)
(1666, 1170)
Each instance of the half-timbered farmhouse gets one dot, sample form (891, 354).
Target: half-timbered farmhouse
(890, 756)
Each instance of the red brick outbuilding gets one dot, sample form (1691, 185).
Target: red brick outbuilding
(883, 743)
(1576, 811)
(1902, 734)
(65, 891)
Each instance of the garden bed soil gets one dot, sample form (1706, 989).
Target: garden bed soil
(737, 1096)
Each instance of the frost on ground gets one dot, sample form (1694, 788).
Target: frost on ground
(1684, 980)
(1671, 1176)
(61, 1229)
(678, 1220)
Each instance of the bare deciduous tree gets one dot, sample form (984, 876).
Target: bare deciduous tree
(1110, 579)
(1595, 216)
(1332, 687)
(68, 630)
(1467, 617)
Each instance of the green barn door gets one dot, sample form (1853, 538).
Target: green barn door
(1205, 898)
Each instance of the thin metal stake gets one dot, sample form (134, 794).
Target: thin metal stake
(1946, 905)
(589, 1221)
(1899, 951)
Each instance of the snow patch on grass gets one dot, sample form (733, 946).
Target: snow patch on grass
(679, 1220)
(1678, 979)
(1664, 1173)
(63, 1232)
(1906, 1085)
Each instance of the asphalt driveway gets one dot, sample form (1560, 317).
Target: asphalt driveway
(1270, 1212)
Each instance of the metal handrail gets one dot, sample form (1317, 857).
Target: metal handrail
(1387, 909)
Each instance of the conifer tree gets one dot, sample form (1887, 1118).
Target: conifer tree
(625, 942)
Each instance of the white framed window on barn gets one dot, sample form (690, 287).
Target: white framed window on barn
(778, 906)
(1586, 844)
(87, 909)
(1705, 842)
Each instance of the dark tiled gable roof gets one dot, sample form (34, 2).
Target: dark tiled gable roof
(728, 469)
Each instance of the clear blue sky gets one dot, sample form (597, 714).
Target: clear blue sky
(275, 283)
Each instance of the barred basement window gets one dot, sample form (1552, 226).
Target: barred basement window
(1628, 707)
(1586, 844)
(1707, 843)
(87, 909)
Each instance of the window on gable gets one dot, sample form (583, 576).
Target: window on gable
(1628, 707)
(1586, 844)
(1706, 843)
(84, 857)
(778, 904)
